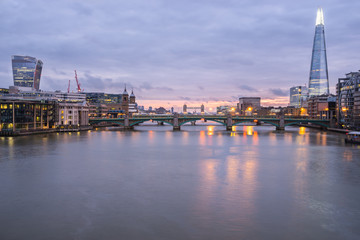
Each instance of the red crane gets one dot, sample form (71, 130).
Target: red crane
(69, 87)
(77, 82)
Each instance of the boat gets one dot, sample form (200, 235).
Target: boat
(353, 137)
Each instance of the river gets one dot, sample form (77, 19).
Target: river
(198, 183)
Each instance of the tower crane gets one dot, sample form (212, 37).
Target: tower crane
(68, 87)
(77, 82)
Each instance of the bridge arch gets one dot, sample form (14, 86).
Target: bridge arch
(243, 121)
(195, 119)
(302, 121)
(272, 123)
(145, 120)
(106, 121)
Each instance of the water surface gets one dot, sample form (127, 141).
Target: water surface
(198, 183)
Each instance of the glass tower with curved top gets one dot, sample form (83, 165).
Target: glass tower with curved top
(26, 71)
(319, 80)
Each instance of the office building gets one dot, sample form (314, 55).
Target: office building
(249, 105)
(19, 115)
(319, 80)
(348, 99)
(298, 95)
(26, 71)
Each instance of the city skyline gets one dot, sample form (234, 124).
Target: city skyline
(207, 52)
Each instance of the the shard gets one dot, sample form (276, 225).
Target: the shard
(319, 80)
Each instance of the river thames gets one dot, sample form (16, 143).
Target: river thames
(198, 183)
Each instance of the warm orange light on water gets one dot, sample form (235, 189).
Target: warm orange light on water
(302, 130)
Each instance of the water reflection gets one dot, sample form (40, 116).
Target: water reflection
(218, 186)
(302, 130)
(210, 130)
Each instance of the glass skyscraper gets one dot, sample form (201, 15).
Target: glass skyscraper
(319, 80)
(26, 71)
(298, 96)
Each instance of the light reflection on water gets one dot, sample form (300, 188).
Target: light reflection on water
(202, 183)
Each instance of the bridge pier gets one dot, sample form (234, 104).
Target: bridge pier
(176, 126)
(160, 123)
(281, 126)
(193, 123)
(127, 124)
(229, 123)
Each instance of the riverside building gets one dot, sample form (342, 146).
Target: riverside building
(348, 100)
(24, 115)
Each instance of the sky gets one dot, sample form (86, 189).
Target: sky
(172, 52)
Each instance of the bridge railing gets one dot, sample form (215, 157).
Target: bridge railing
(236, 117)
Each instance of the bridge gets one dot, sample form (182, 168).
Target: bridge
(228, 121)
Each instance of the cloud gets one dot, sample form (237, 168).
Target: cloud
(147, 86)
(184, 98)
(167, 48)
(248, 88)
(279, 92)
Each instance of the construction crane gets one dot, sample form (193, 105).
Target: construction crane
(77, 82)
(69, 87)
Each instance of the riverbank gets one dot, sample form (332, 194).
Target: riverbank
(43, 131)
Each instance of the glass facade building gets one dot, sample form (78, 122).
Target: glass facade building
(26, 71)
(348, 95)
(298, 95)
(319, 80)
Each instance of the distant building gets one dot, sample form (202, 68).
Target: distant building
(26, 71)
(348, 99)
(226, 110)
(298, 95)
(161, 110)
(249, 105)
(4, 91)
(323, 107)
(112, 105)
(319, 80)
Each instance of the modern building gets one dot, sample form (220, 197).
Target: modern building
(18, 115)
(4, 91)
(249, 105)
(298, 95)
(322, 107)
(348, 99)
(319, 80)
(26, 71)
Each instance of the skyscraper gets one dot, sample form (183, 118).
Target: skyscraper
(26, 71)
(298, 96)
(319, 80)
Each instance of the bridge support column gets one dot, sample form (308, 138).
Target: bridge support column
(160, 123)
(229, 123)
(332, 123)
(281, 126)
(176, 126)
(193, 123)
(127, 124)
